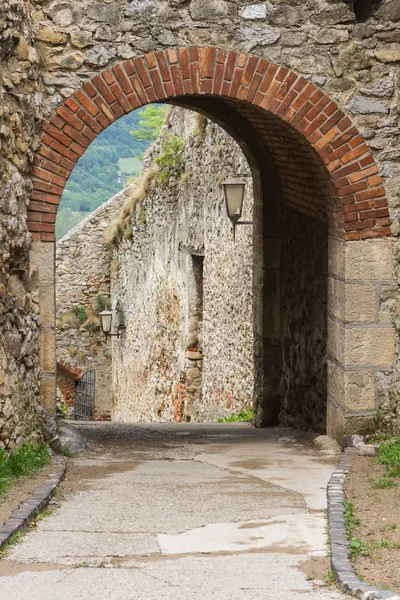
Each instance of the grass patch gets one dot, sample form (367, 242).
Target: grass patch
(382, 483)
(28, 459)
(13, 540)
(389, 456)
(170, 158)
(244, 415)
(357, 546)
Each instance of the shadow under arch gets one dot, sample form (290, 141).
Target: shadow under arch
(306, 157)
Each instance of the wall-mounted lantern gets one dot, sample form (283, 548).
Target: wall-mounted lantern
(106, 319)
(234, 196)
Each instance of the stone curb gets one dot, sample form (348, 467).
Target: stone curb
(340, 551)
(20, 518)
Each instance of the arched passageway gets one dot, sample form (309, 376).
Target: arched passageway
(318, 200)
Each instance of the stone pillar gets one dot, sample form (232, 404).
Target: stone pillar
(42, 266)
(360, 344)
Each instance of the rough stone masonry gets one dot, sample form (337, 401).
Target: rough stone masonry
(184, 286)
(353, 58)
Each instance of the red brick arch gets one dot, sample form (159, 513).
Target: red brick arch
(194, 71)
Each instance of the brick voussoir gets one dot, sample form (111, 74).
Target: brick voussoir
(349, 164)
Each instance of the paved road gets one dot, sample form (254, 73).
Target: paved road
(181, 511)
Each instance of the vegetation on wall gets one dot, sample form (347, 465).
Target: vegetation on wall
(85, 316)
(170, 157)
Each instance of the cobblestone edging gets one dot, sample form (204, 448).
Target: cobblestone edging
(28, 509)
(340, 551)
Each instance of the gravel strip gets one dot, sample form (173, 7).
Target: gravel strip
(20, 518)
(340, 550)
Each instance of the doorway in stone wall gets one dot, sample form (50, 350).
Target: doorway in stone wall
(145, 250)
(307, 162)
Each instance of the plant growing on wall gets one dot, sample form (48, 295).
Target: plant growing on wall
(170, 158)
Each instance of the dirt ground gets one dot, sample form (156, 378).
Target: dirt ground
(20, 491)
(379, 529)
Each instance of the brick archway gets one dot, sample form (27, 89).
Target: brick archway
(307, 159)
(192, 72)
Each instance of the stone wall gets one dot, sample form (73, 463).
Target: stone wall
(354, 63)
(83, 266)
(186, 288)
(21, 416)
(354, 58)
(304, 294)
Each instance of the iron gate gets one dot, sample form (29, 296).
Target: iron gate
(84, 397)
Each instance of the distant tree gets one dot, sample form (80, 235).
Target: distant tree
(151, 120)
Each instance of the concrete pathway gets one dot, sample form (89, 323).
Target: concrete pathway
(181, 511)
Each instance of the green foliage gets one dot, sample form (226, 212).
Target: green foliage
(28, 459)
(244, 415)
(351, 519)
(331, 577)
(80, 312)
(98, 174)
(171, 156)
(151, 120)
(378, 437)
(389, 455)
(100, 303)
(382, 483)
(358, 548)
(13, 540)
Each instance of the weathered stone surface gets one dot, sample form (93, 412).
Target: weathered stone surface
(166, 327)
(103, 12)
(359, 389)
(365, 106)
(360, 303)
(388, 55)
(62, 80)
(78, 345)
(72, 61)
(99, 56)
(382, 88)
(366, 449)
(80, 38)
(211, 10)
(370, 347)
(336, 341)
(254, 11)
(349, 441)
(70, 438)
(258, 35)
(47, 354)
(370, 259)
(142, 9)
(329, 35)
(46, 34)
(389, 11)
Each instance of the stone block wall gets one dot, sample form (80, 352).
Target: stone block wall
(83, 271)
(21, 416)
(186, 288)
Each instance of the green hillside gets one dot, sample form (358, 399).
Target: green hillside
(102, 171)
